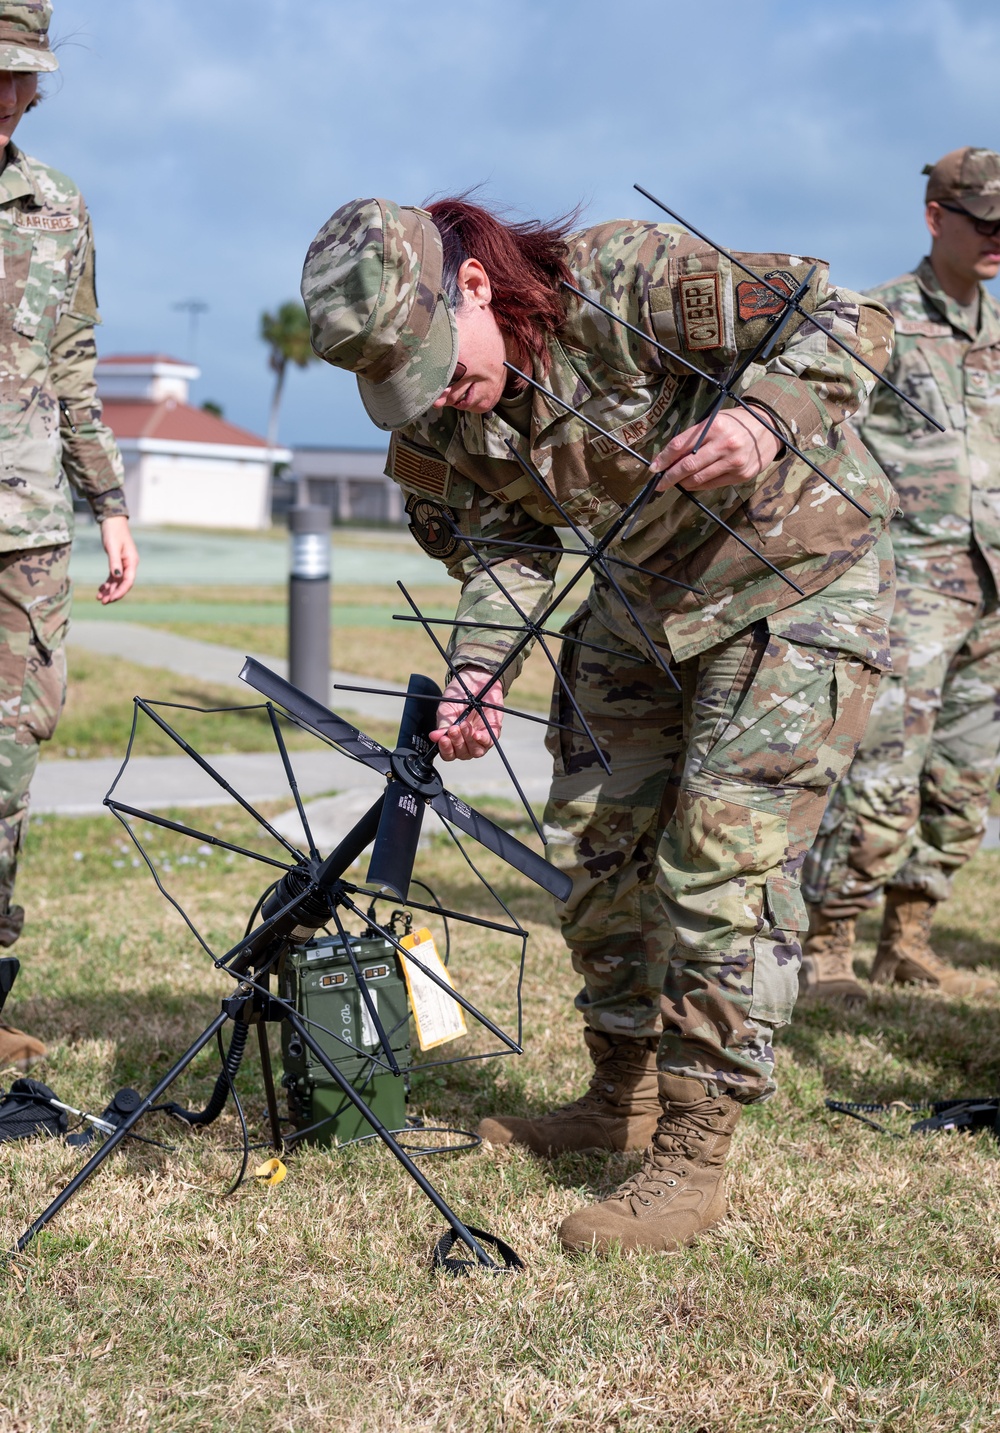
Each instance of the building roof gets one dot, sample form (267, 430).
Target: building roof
(134, 359)
(172, 421)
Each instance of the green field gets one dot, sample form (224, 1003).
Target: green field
(854, 1286)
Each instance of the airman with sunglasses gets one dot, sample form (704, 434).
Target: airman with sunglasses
(913, 807)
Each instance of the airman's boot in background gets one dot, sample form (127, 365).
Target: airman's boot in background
(905, 955)
(827, 970)
(17, 1050)
(618, 1111)
(680, 1189)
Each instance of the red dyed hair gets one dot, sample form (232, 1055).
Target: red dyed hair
(525, 262)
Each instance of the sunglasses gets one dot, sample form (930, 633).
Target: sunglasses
(989, 228)
(458, 375)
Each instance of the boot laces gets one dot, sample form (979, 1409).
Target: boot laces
(678, 1142)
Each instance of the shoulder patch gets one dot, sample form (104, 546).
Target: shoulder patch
(701, 310)
(755, 300)
(419, 468)
(428, 525)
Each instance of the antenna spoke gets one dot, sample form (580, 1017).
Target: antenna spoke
(784, 297)
(646, 462)
(751, 408)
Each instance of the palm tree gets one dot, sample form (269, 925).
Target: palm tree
(286, 334)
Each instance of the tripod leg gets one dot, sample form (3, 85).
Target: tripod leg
(397, 1149)
(120, 1133)
(272, 1103)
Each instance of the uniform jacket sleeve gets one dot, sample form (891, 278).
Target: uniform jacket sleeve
(90, 454)
(447, 512)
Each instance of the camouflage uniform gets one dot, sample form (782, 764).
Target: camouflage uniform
(686, 860)
(50, 431)
(913, 808)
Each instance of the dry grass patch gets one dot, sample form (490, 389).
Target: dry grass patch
(855, 1286)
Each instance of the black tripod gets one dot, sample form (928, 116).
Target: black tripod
(312, 893)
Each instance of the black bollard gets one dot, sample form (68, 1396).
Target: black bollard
(309, 601)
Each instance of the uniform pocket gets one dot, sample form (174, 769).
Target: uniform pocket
(776, 958)
(45, 286)
(783, 903)
(49, 618)
(44, 691)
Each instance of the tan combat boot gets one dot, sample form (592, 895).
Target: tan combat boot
(17, 1050)
(905, 955)
(680, 1189)
(618, 1111)
(827, 971)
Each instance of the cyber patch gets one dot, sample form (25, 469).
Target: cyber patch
(755, 300)
(701, 310)
(429, 527)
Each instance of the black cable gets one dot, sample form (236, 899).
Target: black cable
(243, 1122)
(231, 1061)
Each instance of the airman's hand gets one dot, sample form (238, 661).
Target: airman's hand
(123, 559)
(736, 450)
(468, 739)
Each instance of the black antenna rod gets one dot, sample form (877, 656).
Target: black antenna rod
(647, 462)
(724, 391)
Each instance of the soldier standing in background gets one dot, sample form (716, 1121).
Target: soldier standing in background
(913, 808)
(51, 430)
(685, 914)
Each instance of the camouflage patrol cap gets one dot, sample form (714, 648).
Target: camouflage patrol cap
(372, 289)
(969, 177)
(24, 35)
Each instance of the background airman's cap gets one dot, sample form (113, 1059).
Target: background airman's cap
(967, 177)
(24, 35)
(372, 289)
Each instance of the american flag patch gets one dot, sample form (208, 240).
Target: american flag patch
(417, 469)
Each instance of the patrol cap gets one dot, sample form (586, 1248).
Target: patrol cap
(24, 35)
(969, 177)
(371, 285)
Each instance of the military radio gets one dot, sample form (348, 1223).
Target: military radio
(318, 979)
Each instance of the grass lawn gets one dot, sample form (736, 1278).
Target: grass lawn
(855, 1285)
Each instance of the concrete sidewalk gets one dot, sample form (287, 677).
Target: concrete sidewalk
(77, 788)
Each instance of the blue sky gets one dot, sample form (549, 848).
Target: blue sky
(212, 138)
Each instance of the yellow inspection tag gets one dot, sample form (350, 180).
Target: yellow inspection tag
(438, 1017)
(272, 1171)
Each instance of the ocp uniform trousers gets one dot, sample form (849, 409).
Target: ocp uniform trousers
(34, 615)
(686, 860)
(912, 809)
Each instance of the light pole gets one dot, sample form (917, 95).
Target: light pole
(309, 600)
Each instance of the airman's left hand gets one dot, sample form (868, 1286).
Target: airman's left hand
(736, 450)
(123, 559)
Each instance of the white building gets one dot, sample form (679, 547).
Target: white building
(183, 467)
(351, 482)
